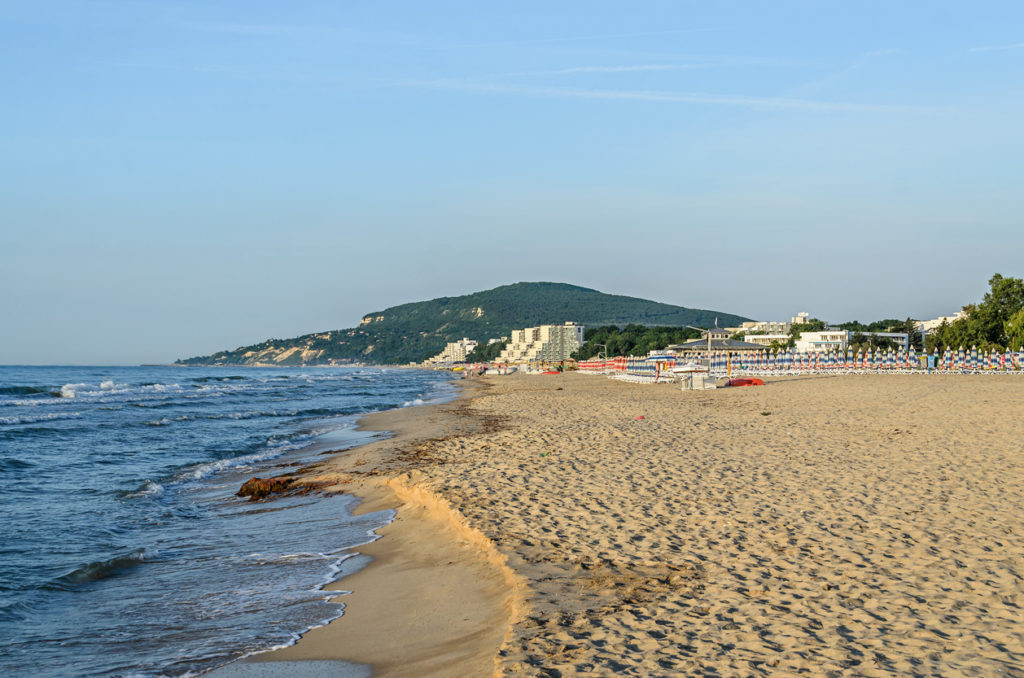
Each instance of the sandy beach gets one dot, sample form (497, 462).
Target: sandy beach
(841, 525)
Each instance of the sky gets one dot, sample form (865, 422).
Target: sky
(180, 177)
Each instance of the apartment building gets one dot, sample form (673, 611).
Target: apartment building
(455, 352)
(547, 342)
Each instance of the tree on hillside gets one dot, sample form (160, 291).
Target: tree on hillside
(612, 340)
(995, 322)
(1014, 328)
(796, 329)
(486, 353)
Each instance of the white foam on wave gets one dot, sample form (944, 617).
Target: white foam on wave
(150, 489)
(71, 390)
(163, 421)
(209, 468)
(33, 418)
(413, 403)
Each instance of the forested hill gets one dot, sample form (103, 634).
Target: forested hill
(415, 331)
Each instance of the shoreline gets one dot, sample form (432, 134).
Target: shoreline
(400, 618)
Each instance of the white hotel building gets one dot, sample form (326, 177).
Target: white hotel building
(454, 352)
(550, 343)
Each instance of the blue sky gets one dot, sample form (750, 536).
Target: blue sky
(182, 177)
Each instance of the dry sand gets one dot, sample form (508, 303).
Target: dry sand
(854, 525)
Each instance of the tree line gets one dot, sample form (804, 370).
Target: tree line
(996, 322)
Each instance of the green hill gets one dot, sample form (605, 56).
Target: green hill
(413, 332)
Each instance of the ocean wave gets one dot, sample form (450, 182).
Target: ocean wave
(12, 464)
(110, 388)
(233, 377)
(33, 418)
(147, 489)
(25, 390)
(71, 390)
(102, 569)
(207, 469)
(413, 403)
(263, 559)
(164, 421)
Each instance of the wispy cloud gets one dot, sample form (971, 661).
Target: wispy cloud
(579, 38)
(699, 98)
(997, 48)
(616, 69)
(251, 29)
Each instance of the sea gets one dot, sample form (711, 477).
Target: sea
(123, 548)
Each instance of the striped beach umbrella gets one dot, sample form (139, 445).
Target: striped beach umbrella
(912, 358)
(973, 362)
(961, 358)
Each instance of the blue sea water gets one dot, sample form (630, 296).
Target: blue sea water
(123, 550)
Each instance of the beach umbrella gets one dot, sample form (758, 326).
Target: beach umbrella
(961, 358)
(973, 362)
(849, 358)
(912, 358)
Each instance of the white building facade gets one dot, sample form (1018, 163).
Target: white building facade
(550, 343)
(455, 352)
(826, 340)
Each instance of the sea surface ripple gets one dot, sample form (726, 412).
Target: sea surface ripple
(124, 551)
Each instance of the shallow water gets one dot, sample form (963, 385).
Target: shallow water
(124, 549)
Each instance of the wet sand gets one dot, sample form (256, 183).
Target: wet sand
(853, 525)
